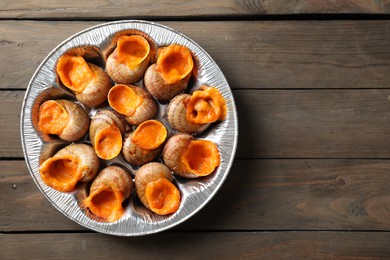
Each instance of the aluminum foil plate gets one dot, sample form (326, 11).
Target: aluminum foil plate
(137, 220)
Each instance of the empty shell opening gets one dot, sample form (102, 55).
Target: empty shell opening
(175, 63)
(52, 118)
(132, 50)
(201, 157)
(124, 99)
(108, 142)
(163, 196)
(150, 135)
(74, 72)
(61, 173)
(104, 201)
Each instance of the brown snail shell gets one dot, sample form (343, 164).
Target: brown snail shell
(111, 187)
(117, 68)
(161, 90)
(95, 91)
(154, 172)
(177, 116)
(110, 122)
(136, 155)
(206, 105)
(173, 149)
(77, 124)
(171, 73)
(145, 143)
(144, 111)
(76, 162)
(189, 157)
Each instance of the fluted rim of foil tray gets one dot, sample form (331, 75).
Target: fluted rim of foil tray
(195, 194)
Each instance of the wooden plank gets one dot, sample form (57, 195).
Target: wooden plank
(257, 195)
(10, 108)
(278, 123)
(200, 8)
(313, 124)
(22, 206)
(200, 245)
(252, 54)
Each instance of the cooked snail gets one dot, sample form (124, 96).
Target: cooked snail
(189, 157)
(134, 102)
(111, 187)
(130, 59)
(205, 106)
(171, 74)
(63, 118)
(89, 82)
(154, 187)
(145, 143)
(106, 130)
(177, 115)
(194, 113)
(71, 164)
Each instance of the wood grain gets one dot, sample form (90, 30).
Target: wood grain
(252, 54)
(278, 123)
(22, 205)
(257, 195)
(200, 245)
(310, 179)
(99, 9)
(10, 108)
(313, 124)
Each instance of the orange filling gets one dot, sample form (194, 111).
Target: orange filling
(108, 142)
(124, 100)
(163, 196)
(106, 204)
(206, 106)
(62, 173)
(74, 72)
(53, 118)
(132, 50)
(150, 135)
(174, 63)
(201, 157)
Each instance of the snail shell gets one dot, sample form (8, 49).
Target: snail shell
(135, 154)
(190, 158)
(111, 187)
(161, 90)
(206, 105)
(71, 164)
(125, 65)
(106, 131)
(173, 149)
(154, 187)
(145, 143)
(96, 84)
(96, 92)
(171, 73)
(71, 118)
(134, 102)
(177, 116)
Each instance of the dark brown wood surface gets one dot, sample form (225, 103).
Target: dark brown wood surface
(201, 245)
(312, 170)
(178, 9)
(253, 54)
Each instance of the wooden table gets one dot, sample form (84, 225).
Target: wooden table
(311, 178)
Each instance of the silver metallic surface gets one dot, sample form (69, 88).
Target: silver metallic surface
(137, 220)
